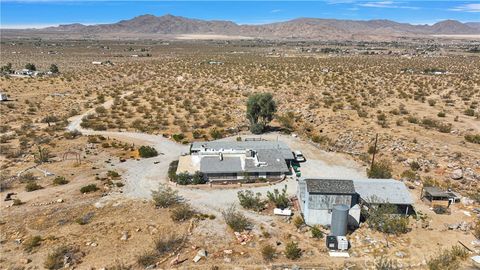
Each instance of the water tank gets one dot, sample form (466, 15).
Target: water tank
(339, 220)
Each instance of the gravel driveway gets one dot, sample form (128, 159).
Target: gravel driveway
(144, 175)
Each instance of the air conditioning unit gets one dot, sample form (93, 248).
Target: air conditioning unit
(337, 242)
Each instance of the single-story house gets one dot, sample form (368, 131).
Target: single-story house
(439, 197)
(318, 196)
(237, 160)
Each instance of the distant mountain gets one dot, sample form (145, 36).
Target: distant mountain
(303, 28)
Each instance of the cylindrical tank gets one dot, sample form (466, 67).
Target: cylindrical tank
(339, 220)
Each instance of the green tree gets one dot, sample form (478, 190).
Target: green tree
(261, 109)
(54, 69)
(279, 199)
(30, 66)
(7, 69)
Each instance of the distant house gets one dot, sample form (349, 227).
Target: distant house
(96, 63)
(3, 97)
(237, 161)
(318, 196)
(26, 72)
(439, 197)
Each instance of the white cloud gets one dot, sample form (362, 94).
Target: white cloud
(386, 4)
(467, 8)
(275, 10)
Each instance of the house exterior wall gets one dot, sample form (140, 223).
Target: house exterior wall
(242, 176)
(317, 208)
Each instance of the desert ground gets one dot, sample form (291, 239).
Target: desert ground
(87, 122)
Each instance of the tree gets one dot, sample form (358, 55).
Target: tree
(292, 251)
(54, 69)
(147, 151)
(7, 69)
(261, 109)
(249, 200)
(31, 67)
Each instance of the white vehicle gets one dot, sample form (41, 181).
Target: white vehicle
(299, 156)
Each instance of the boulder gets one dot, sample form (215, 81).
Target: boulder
(457, 174)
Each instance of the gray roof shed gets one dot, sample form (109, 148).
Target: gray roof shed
(378, 191)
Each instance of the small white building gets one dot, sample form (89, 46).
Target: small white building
(3, 97)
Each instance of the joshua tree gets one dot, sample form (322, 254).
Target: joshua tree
(260, 111)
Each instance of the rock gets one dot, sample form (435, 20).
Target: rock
(200, 254)
(228, 251)
(227, 260)
(25, 261)
(59, 200)
(457, 174)
(93, 244)
(124, 236)
(400, 254)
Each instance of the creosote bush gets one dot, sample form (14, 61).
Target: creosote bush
(268, 252)
(249, 200)
(60, 180)
(380, 169)
(89, 188)
(316, 232)
(147, 151)
(235, 219)
(279, 199)
(32, 186)
(292, 251)
(165, 197)
(31, 243)
(384, 218)
(182, 212)
(448, 259)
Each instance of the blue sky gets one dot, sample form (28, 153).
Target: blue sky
(41, 13)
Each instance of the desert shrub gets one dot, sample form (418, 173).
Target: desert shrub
(113, 174)
(476, 229)
(182, 212)
(409, 175)
(279, 199)
(30, 66)
(298, 222)
(268, 252)
(198, 178)
(473, 138)
(57, 259)
(386, 264)
(60, 180)
(444, 128)
(316, 232)
(441, 114)
(85, 219)
(70, 135)
(381, 169)
(287, 120)
(178, 137)
(384, 218)
(216, 134)
(31, 243)
(292, 251)
(165, 197)
(27, 177)
(469, 112)
(147, 152)
(89, 188)
(249, 200)
(42, 155)
(167, 244)
(32, 186)
(432, 102)
(147, 259)
(412, 119)
(172, 170)
(448, 259)
(236, 220)
(415, 166)
(183, 178)
(17, 202)
(323, 139)
(257, 128)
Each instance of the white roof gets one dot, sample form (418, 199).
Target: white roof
(382, 191)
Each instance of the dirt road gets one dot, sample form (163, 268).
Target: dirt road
(144, 175)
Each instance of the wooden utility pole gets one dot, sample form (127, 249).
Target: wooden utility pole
(374, 151)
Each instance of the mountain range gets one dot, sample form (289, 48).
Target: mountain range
(150, 26)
